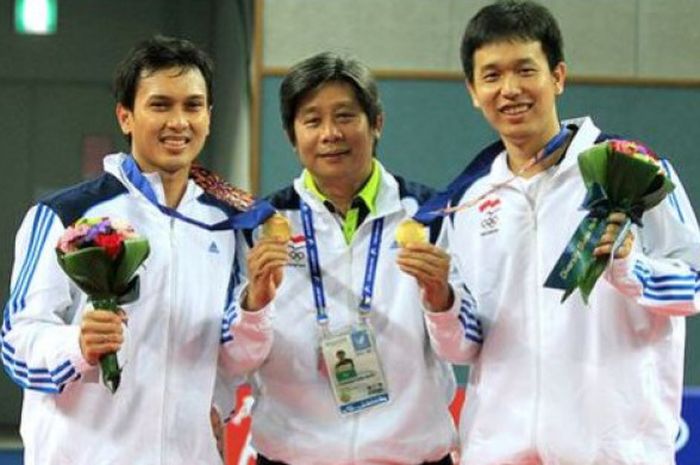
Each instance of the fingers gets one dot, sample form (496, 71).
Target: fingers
(615, 222)
(266, 262)
(101, 332)
(267, 255)
(430, 265)
(217, 427)
(617, 218)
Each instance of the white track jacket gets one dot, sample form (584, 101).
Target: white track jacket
(295, 419)
(569, 383)
(177, 329)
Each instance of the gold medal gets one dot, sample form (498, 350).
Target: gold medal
(410, 231)
(277, 227)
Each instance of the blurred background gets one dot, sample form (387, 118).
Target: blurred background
(633, 66)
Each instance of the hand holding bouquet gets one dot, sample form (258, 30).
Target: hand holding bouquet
(620, 176)
(101, 256)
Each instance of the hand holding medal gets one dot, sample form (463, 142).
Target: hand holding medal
(410, 231)
(277, 227)
(266, 262)
(430, 265)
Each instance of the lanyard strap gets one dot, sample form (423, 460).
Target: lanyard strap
(315, 265)
(552, 146)
(249, 219)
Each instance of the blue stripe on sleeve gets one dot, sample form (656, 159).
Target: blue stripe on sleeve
(664, 288)
(40, 229)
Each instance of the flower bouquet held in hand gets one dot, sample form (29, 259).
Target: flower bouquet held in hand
(101, 255)
(620, 176)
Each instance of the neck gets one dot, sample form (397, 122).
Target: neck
(341, 194)
(174, 185)
(520, 153)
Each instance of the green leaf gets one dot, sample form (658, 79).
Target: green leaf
(593, 164)
(133, 254)
(91, 269)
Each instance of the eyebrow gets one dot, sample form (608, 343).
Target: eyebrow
(518, 62)
(170, 97)
(349, 103)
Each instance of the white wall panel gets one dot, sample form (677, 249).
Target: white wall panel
(621, 38)
(394, 34)
(600, 36)
(669, 43)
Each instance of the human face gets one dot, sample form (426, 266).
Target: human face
(334, 138)
(516, 91)
(170, 120)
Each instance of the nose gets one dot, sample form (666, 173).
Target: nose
(177, 119)
(511, 85)
(330, 132)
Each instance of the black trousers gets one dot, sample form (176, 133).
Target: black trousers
(446, 460)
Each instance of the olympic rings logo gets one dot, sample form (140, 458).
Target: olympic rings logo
(296, 255)
(490, 222)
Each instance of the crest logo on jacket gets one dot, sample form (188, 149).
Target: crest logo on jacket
(488, 210)
(296, 250)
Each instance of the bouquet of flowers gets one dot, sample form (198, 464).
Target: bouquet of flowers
(101, 255)
(620, 176)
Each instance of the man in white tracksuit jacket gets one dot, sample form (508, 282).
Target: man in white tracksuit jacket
(559, 383)
(183, 328)
(344, 210)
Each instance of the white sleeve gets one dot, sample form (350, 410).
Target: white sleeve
(40, 338)
(456, 335)
(663, 271)
(246, 336)
(225, 386)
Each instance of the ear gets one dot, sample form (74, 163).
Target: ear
(559, 76)
(124, 117)
(377, 130)
(472, 93)
(211, 107)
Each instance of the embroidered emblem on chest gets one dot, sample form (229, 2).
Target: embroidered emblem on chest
(488, 212)
(297, 251)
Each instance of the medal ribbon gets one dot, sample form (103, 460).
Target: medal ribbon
(256, 214)
(552, 146)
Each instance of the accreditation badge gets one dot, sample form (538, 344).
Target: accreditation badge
(354, 369)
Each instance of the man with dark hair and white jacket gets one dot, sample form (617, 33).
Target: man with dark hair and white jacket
(183, 328)
(342, 292)
(559, 383)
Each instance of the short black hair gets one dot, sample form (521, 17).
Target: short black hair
(311, 73)
(154, 54)
(512, 20)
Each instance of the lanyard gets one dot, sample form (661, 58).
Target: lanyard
(315, 266)
(552, 146)
(248, 219)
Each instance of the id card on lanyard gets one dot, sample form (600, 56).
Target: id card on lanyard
(350, 356)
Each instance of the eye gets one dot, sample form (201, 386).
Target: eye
(491, 76)
(195, 106)
(345, 116)
(311, 121)
(158, 105)
(528, 71)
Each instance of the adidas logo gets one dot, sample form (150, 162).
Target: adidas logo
(213, 248)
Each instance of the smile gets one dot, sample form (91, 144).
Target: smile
(174, 141)
(516, 109)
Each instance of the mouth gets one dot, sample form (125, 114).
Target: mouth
(174, 143)
(335, 153)
(515, 109)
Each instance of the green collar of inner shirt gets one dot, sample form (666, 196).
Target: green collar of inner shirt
(368, 195)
